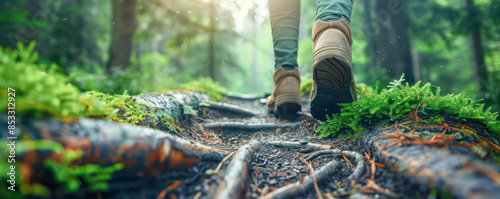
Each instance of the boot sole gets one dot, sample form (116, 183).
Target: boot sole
(333, 79)
(287, 105)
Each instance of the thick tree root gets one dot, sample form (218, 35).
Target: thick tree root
(249, 126)
(144, 152)
(305, 146)
(227, 107)
(243, 96)
(173, 104)
(360, 161)
(463, 175)
(236, 175)
(305, 184)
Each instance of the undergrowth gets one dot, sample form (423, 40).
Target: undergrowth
(398, 100)
(40, 90)
(71, 178)
(305, 88)
(208, 86)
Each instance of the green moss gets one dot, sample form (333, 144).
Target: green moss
(208, 86)
(120, 108)
(400, 99)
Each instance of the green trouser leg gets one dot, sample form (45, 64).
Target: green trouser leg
(285, 19)
(333, 10)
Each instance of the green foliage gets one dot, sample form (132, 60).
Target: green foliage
(400, 100)
(150, 73)
(121, 108)
(71, 177)
(305, 87)
(208, 86)
(40, 89)
(363, 89)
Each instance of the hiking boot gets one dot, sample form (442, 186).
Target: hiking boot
(333, 81)
(285, 98)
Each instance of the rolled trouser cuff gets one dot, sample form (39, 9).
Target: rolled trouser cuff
(333, 10)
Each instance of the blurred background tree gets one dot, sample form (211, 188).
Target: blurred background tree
(152, 45)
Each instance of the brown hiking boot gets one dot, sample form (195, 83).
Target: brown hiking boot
(285, 98)
(333, 81)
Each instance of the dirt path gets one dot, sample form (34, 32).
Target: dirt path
(272, 166)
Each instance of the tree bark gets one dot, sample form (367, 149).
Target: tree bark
(416, 65)
(462, 173)
(393, 39)
(124, 24)
(480, 71)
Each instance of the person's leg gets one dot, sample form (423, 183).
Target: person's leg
(285, 19)
(333, 81)
(333, 10)
(285, 97)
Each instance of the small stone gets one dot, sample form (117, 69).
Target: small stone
(341, 190)
(273, 182)
(197, 188)
(254, 195)
(209, 172)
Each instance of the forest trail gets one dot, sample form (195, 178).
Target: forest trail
(273, 158)
(237, 149)
(279, 167)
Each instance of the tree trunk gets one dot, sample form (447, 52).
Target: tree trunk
(211, 42)
(393, 39)
(370, 31)
(124, 24)
(480, 71)
(416, 66)
(34, 8)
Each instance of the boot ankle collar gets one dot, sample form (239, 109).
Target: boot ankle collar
(342, 25)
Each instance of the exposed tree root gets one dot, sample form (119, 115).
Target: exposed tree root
(360, 162)
(434, 167)
(227, 107)
(236, 176)
(144, 152)
(242, 96)
(249, 126)
(305, 146)
(306, 183)
(172, 103)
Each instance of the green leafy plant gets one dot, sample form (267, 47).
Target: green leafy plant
(40, 89)
(399, 100)
(208, 86)
(71, 177)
